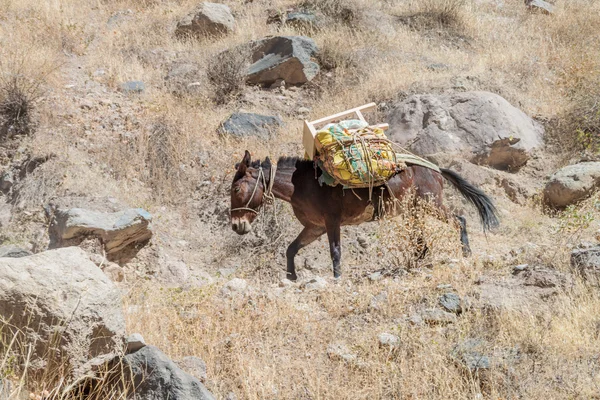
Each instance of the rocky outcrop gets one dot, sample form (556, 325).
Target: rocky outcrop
(147, 372)
(9, 251)
(62, 305)
(529, 289)
(283, 58)
(540, 5)
(572, 183)
(586, 262)
(209, 19)
(247, 124)
(482, 126)
(117, 231)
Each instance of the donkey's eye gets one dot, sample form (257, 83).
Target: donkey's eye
(237, 189)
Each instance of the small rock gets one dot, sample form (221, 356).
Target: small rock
(540, 5)
(236, 285)
(375, 276)
(303, 110)
(10, 251)
(133, 87)
(378, 301)
(433, 316)
(362, 241)
(194, 366)
(285, 283)
(340, 352)
(470, 355)
(248, 124)
(209, 19)
(114, 272)
(135, 342)
(225, 272)
(451, 303)
(388, 340)
(315, 284)
(587, 263)
(283, 57)
(302, 19)
(415, 319)
(231, 396)
(444, 286)
(519, 268)
(572, 184)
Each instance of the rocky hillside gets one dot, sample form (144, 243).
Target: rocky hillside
(120, 125)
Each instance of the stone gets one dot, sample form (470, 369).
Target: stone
(530, 291)
(117, 231)
(341, 352)
(315, 284)
(451, 302)
(288, 58)
(388, 340)
(9, 251)
(572, 184)
(435, 316)
(481, 126)
(247, 124)
(376, 276)
(114, 271)
(520, 268)
(540, 5)
(415, 319)
(134, 342)
(208, 20)
(302, 20)
(61, 292)
(194, 366)
(470, 354)
(586, 262)
(235, 286)
(378, 301)
(150, 374)
(182, 78)
(133, 87)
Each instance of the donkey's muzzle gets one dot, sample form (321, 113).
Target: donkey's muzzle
(241, 227)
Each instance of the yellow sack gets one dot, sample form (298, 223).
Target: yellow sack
(356, 158)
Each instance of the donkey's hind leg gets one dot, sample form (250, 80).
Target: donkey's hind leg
(308, 235)
(464, 237)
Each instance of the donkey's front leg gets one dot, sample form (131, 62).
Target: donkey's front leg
(335, 247)
(308, 235)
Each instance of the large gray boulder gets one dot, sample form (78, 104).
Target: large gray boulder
(572, 183)
(283, 58)
(117, 231)
(62, 305)
(209, 19)
(155, 377)
(248, 124)
(482, 126)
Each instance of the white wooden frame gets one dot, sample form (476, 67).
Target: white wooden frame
(310, 128)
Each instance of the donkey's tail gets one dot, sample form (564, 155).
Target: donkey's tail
(485, 207)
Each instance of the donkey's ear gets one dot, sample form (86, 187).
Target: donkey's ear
(267, 163)
(241, 167)
(247, 159)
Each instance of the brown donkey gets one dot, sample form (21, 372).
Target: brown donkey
(324, 209)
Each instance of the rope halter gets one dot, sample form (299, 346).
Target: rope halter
(268, 196)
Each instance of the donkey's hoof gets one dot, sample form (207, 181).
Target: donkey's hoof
(467, 253)
(337, 275)
(291, 277)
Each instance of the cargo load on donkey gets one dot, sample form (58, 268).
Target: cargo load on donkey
(353, 153)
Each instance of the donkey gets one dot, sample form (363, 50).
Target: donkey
(324, 209)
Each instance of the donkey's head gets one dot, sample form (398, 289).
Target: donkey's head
(247, 191)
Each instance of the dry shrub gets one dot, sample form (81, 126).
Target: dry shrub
(166, 151)
(419, 235)
(438, 14)
(344, 11)
(226, 73)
